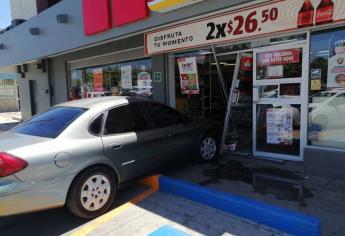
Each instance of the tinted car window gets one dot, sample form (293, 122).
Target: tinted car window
(124, 119)
(96, 125)
(163, 116)
(51, 123)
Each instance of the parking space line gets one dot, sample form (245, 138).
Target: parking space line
(92, 225)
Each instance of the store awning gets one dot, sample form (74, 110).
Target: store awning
(169, 5)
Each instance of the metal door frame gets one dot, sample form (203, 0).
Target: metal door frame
(303, 100)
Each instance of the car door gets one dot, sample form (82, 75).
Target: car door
(128, 141)
(175, 131)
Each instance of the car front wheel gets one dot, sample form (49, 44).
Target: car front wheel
(208, 148)
(92, 193)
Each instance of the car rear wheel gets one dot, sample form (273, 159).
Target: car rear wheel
(208, 148)
(92, 193)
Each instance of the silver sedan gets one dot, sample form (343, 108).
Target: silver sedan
(77, 153)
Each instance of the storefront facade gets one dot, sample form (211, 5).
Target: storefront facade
(273, 72)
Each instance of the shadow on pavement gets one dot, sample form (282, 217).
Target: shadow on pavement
(56, 221)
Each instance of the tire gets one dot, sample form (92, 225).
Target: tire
(92, 193)
(208, 148)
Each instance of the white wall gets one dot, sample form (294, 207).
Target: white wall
(23, 9)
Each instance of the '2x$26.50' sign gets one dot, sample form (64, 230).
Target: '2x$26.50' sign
(257, 19)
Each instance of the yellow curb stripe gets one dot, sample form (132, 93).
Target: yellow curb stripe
(107, 217)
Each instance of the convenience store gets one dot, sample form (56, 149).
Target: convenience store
(279, 64)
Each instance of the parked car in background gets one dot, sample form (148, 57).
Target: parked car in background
(77, 153)
(328, 108)
(98, 94)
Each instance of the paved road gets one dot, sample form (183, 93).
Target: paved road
(55, 221)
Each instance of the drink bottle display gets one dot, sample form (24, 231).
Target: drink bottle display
(324, 12)
(306, 15)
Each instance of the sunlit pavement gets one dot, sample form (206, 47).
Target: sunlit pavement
(156, 213)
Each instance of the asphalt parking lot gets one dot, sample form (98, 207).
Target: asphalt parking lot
(156, 214)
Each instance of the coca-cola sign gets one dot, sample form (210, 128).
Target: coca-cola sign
(251, 21)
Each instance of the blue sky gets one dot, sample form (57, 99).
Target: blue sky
(5, 14)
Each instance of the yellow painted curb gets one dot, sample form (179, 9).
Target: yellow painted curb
(151, 181)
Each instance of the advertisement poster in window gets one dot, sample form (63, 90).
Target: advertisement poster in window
(126, 77)
(98, 80)
(270, 65)
(189, 77)
(279, 123)
(144, 84)
(336, 63)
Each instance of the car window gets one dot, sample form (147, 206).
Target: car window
(96, 125)
(164, 116)
(50, 124)
(124, 119)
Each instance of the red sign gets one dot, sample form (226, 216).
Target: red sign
(125, 11)
(98, 80)
(96, 16)
(279, 57)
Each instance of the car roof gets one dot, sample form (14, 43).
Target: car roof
(89, 103)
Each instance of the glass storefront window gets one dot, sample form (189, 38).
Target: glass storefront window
(131, 78)
(327, 89)
(198, 90)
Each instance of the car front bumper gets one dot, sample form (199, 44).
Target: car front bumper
(18, 197)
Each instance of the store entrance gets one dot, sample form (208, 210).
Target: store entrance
(207, 97)
(279, 111)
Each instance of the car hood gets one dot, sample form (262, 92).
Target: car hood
(10, 141)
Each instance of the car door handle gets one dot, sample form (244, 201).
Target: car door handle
(116, 146)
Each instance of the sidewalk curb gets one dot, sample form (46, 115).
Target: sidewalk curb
(275, 217)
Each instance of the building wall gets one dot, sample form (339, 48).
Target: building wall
(41, 91)
(57, 38)
(23, 9)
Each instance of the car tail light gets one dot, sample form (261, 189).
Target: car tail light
(10, 164)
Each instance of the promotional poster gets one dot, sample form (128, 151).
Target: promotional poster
(336, 63)
(189, 77)
(280, 126)
(98, 80)
(126, 77)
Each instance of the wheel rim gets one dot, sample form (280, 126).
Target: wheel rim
(95, 192)
(208, 148)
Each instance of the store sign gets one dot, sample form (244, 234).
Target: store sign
(98, 80)
(100, 15)
(279, 57)
(169, 5)
(258, 19)
(189, 76)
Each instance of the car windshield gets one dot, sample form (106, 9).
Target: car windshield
(322, 97)
(50, 124)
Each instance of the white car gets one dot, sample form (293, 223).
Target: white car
(327, 108)
(98, 94)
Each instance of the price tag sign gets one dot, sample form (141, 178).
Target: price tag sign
(258, 19)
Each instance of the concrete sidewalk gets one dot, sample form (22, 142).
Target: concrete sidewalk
(164, 214)
(324, 197)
